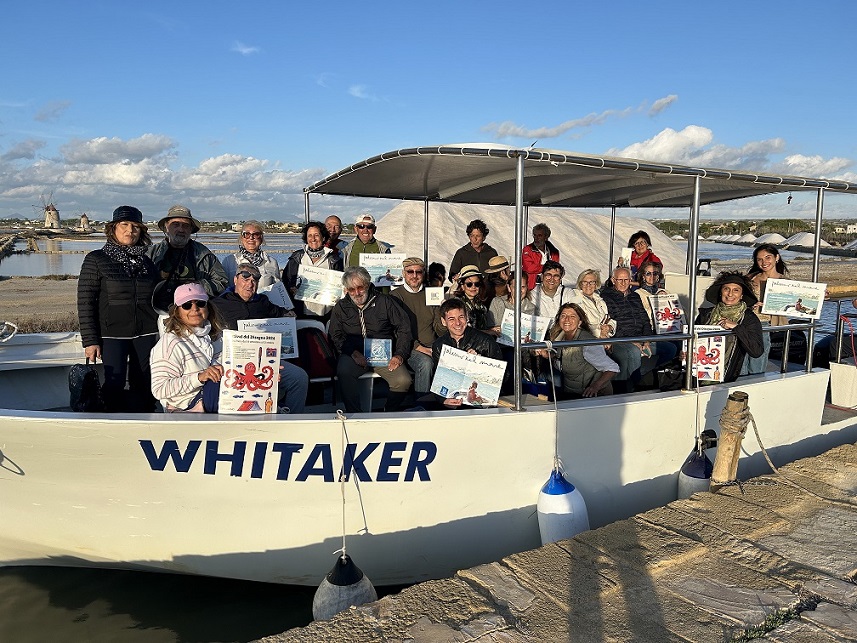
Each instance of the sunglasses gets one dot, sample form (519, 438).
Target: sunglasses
(472, 284)
(199, 303)
(248, 275)
(414, 272)
(251, 235)
(651, 274)
(364, 226)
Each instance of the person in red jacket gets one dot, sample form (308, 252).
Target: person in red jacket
(535, 254)
(641, 251)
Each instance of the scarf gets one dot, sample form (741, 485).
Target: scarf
(253, 258)
(131, 258)
(315, 255)
(730, 313)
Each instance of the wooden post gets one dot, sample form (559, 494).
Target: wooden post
(733, 425)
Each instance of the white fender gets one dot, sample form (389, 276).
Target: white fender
(562, 510)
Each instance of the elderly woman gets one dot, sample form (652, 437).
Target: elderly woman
(586, 296)
(470, 288)
(186, 368)
(315, 253)
(114, 306)
(733, 299)
(641, 250)
(586, 370)
(476, 253)
(250, 251)
(767, 264)
(649, 276)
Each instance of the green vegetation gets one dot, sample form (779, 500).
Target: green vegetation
(785, 227)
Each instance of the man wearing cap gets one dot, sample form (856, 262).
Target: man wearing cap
(364, 313)
(425, 322)
(241, 301)
(365, 241)
(181, 259)
(537, 253)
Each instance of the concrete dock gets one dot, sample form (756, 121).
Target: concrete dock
(775, 559)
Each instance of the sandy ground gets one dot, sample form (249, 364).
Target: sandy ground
(45, 304)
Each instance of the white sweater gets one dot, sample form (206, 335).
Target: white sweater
(177, 362)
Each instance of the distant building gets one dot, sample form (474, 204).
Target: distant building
(851, 228)
(839, 230)
(84, 223)
(52, 217)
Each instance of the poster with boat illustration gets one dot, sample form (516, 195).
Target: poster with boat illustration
(251, 367)
(707, 355)
(667, 314)
(319, 285)
(385, 270)
(624, 260)
(285, 326)
(533, 328)
(278, 294)
(799, 299)
(473, 379)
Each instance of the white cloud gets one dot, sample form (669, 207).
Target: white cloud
(23, 150)
(244, 50)
(111, 150)
(52, 111)
(362, 92)
(662, 103)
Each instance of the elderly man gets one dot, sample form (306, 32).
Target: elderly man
(334, 226)
(365, 241)
(182, 260)
(241, 301)
(364, 313)
(425, 322)
(537, 253)
(626, 308)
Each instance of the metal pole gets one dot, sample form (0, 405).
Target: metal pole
(816, 251)
(425, 233)
(306, 207)
(610, 263)
(692, 250)
(840, 331)
(517, 373)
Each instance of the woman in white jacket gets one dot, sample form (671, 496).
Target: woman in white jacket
(250, 251)
(185, 362)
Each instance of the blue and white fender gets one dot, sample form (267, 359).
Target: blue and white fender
(561, 509)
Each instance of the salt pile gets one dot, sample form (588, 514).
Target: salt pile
(805, 239)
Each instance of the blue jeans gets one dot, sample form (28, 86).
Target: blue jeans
(422, 366)
(294, 383)
(757, 365)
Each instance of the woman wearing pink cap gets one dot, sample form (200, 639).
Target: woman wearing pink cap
(186, 366)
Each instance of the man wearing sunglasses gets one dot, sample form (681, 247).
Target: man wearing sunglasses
(364, 242)
(181, 259)
(425, 322)
(242, 301)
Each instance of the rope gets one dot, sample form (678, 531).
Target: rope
(345, 440)
(7, 331)
(556, 461)
(851, 326)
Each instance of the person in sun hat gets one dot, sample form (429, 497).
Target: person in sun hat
(181, 259)
(497, 275)
(114, 306)
(470, 288)
(475, 253)
(364, 242)
(186, 369)
(425, 321)
(733, 298)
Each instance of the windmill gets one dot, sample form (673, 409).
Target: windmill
(49, 211)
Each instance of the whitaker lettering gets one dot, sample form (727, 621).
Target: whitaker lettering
(388, 461)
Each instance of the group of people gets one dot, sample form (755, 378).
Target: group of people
(130, 286)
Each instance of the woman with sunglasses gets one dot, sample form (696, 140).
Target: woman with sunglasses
(114, 305)
(470, 288)
(186, 368)
(649, 276)
(314, 253)
(250, 251)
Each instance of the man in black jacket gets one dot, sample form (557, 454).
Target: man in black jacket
(365, 313)
(241, 301)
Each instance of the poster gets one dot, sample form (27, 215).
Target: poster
(385, 269)
(435, 295)
(279, 295)
(319, 285)
(473, 379)
(533, 328)
(799, 299)
(708, 354)
(378, 352)
(285, 326)
(251, 370)
(624, 260)
(668, 317)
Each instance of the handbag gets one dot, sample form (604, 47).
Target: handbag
(84, 387)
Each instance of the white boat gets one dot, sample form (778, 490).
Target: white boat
(259, 499)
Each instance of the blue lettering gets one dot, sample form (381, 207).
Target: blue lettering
(355, 462)
(212, 457)
(416, 463)
(287, 450)
(326, 469)
(387, 461)
(259, 453)
(170, 451)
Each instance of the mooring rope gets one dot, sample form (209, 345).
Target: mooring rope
(344, 441)
(7, 331)
(556, 461)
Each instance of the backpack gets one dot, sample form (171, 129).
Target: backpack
(316, 354)
(85, 389)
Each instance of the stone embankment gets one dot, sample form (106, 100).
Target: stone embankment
(776, 560)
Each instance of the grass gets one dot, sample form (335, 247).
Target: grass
(66, 322)
(57, 277)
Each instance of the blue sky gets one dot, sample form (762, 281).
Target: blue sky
(232, 108)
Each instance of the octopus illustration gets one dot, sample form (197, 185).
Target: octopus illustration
(250, 379)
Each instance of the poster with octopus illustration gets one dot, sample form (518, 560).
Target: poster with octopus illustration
(708, 354)
(251, 369)
(667, 315)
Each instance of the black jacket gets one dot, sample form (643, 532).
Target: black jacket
(110, 303)
(631, 317)
(383, 317)
(231, 308)
(748, 335)
(290, 273)
(482, 343)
